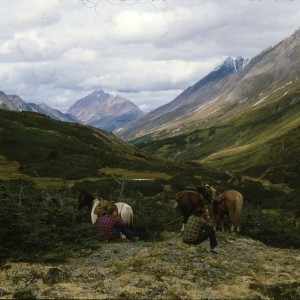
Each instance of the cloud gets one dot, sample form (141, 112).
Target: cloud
(147, 51)
(81, 55)
(135, 27)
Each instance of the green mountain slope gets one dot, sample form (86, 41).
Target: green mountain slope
(35, 146)
(260, 142)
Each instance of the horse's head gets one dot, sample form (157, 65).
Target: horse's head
(84, 199)
(206, 192)
(212, 192)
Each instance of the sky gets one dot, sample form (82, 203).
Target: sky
(147, 51)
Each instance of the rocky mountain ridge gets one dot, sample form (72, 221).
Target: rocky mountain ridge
(166, 269)
(14, 102)
(184, 104)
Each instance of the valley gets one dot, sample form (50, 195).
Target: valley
(235, 130)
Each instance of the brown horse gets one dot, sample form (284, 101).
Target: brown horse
(187, 202)
(229, 202)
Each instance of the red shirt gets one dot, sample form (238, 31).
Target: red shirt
(108, 224)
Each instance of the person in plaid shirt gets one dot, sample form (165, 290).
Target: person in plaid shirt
(199, 228)
(111, 226)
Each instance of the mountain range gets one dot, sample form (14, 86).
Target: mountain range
(98, 109)
(113, 113)
(14, 102)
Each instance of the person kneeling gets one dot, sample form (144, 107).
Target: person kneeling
(199, 228)
(111, 226)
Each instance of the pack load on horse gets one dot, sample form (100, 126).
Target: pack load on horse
(98, 207)
(227, 203)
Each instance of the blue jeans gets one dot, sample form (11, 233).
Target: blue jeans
(126, 231)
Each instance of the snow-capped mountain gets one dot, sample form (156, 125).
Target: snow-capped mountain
(105, 111)
(230, 64)
(185, 103)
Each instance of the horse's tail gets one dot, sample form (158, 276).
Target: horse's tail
(238, 211)
(94, 216)
(126, 213)
(129, 216)
(131, 220)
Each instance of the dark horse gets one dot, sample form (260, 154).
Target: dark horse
(229, 202)
(98, 207)
(187, 202)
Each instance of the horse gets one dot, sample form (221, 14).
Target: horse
(228, 202)
(187, 202)
(98, 207)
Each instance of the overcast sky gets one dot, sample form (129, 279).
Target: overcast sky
(147, 51)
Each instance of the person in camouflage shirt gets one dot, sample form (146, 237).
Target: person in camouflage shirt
(199, 228)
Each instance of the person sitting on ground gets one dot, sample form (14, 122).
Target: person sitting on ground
(111, 226)
(199, 228)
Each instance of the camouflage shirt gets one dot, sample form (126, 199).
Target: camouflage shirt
(194, 227)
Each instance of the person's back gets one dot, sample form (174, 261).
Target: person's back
(192, 229)
(199, 228)
(108, 224)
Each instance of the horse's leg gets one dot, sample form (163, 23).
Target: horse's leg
(185, 218)
(214, 222)
(238, 229)
(182, 228)
(233, 220)
(222, 223)
(213, 216)
(232, 226)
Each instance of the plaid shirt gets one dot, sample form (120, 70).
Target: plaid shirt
(108, 225)
(194, 227)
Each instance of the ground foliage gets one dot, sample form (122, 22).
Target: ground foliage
(164, 269)
(41, 224)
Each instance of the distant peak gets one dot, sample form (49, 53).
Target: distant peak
(98, 92)
(42, 104)
(233, 63)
